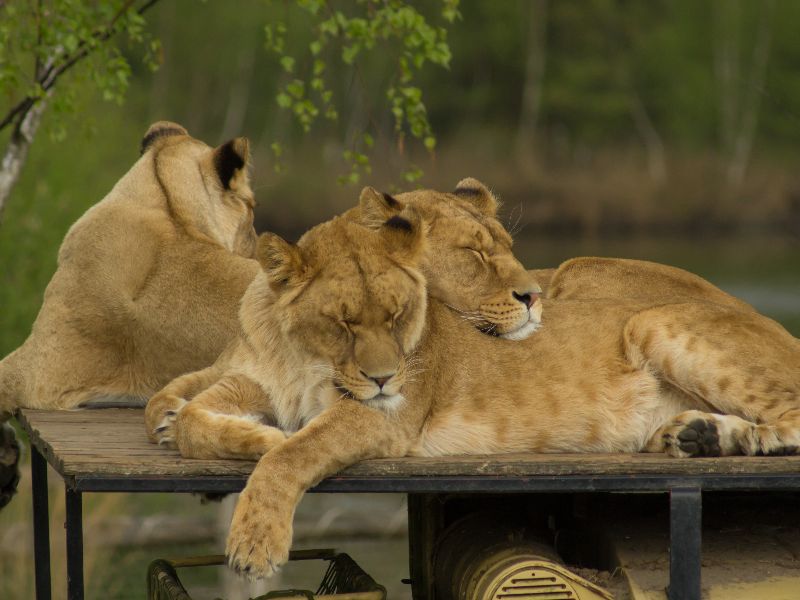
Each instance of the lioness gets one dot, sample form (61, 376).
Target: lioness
(148, 280)
(329, 348)
(495, 294)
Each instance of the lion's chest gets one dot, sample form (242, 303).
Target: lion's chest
(454, 434)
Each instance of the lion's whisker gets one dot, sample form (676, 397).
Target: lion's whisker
(514, 229)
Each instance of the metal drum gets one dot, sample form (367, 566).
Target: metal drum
(485, 557)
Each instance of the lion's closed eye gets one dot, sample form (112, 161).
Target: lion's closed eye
(395, 317)
(476, 251)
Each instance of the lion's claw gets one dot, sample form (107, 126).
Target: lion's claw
(260, 536)
(164, 432)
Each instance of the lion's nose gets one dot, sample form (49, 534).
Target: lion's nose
(380, 381)
(527, 298)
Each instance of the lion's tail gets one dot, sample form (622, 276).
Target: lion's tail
(10, 385)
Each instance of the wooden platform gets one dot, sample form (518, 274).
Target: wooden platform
(90, 447)
(106, 450)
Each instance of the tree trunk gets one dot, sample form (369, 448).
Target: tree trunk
(750, 103)
(160, 86)
(739, 95)
(534, 76)
(726, 68)
(239, 94)
(653, 144)
(17, 150)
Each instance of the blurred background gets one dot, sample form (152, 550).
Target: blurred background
(662, 130)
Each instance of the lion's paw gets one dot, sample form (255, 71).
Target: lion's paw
(699, 438)
(260, 537)
(164, 432)
(692, 437)
(771, 440)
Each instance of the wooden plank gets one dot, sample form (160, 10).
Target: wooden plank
(112, 442)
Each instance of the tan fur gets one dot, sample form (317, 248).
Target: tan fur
(459, 226)
(607, 372)
(148, 280)
(470, 265)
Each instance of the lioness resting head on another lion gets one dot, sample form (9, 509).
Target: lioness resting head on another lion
(489, 288)
(331, 345)
(148, 280)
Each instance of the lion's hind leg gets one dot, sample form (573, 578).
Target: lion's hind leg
(695, 433)
(224, 421)
(738, 363)
(778, 436)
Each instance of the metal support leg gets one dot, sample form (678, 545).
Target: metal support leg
(685, 534)
(74, 527)
(41, 524)
(424, 525)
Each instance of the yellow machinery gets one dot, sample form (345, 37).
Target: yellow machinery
(483, 557)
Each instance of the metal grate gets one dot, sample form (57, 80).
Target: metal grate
(534, 584)
(343, 579)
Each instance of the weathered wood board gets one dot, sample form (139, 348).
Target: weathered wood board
(112, 442)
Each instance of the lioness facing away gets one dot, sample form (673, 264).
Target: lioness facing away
(328, 345)
(148, 280)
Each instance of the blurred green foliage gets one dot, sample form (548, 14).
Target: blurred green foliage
(382, 24)
(65, 43)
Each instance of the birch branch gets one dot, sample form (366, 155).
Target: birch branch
(26, 115)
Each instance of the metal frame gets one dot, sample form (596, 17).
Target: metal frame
(685, 531)
(483, 484)
(41, 524)
(685, 506)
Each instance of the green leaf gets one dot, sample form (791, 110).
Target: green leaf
(349, 54)
(412, 174)
(287, 62)
(71, 43)
(296, 88)
(284, 100)
(450, 10)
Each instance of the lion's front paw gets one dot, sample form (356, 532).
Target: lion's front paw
(164, 431)
(260, 536)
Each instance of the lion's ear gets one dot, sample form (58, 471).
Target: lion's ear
(158, 130)
(376, 207)
(231, 160)
(474, 191)
(405, 234)
(281, 261)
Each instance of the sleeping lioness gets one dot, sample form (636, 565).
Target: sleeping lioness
(148, 280)
(496, 294)
(328, 345)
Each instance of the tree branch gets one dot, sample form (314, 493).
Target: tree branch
(27, 114)
(17, 150)
(47, 79)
